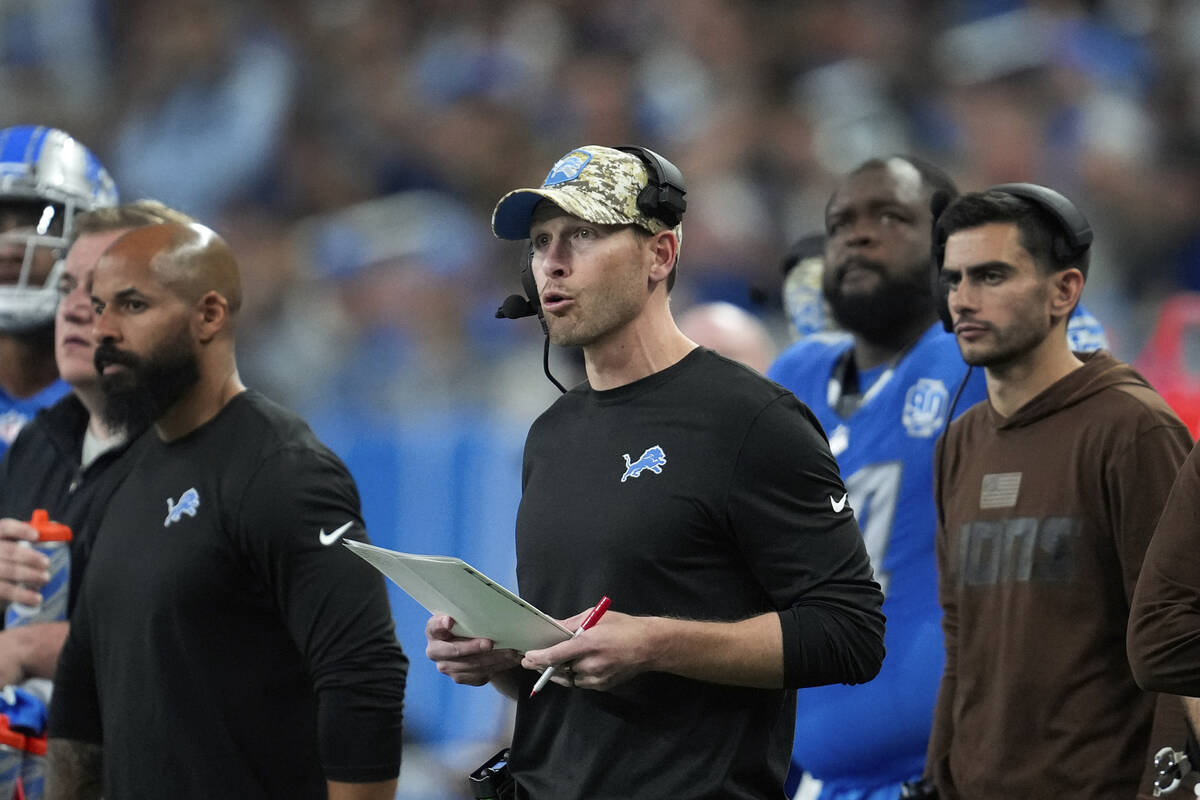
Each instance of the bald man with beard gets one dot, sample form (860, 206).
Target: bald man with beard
(224, 643)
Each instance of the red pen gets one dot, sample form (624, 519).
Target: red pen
(588, 622)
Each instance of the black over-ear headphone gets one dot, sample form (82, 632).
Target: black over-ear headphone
(1074, 235)
(662, 199)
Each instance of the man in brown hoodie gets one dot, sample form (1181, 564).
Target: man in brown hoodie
(1047, 494)
(1164, 622)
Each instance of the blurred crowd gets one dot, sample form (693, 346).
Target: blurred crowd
(352, 151)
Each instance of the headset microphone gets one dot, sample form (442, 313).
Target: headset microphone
(515, 306)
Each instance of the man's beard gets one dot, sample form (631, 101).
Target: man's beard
(884, 315)
(1012, 346)
(138, 395)
(1014, 342)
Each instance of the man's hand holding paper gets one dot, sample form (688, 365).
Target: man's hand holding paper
(468, 661)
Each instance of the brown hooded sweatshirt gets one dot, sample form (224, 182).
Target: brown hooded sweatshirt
(1164, 624)
(1044, 518)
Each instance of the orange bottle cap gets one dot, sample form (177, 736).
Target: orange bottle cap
(49, 531)
(10, 737)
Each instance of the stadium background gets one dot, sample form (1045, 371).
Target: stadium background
(352, 151)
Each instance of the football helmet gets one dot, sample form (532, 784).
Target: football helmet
(802, 298)
(46, 178)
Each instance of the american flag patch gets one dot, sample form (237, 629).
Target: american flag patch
(1000, 490)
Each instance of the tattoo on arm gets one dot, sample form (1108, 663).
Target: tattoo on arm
(73, 770)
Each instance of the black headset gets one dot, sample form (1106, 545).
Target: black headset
(663, 198)
(1072, 239)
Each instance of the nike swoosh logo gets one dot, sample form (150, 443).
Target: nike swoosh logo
(329, 538)
(838, 505)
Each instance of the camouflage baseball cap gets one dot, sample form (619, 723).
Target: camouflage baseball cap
(595, 183)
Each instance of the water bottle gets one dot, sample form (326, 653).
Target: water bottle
(24, 715)
(54, 542)
(22, 740)
(11, 756)
(33, 768)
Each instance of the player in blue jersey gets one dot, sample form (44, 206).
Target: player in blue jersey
(46, 178)
(883, 391)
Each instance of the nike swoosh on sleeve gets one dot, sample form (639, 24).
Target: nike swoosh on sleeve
(329, 538)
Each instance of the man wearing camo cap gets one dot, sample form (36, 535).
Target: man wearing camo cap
(699, 496)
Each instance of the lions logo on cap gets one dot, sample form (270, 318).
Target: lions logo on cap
(568, 167)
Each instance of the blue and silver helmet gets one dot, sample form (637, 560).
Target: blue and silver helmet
(46, 178)
(803, 301)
